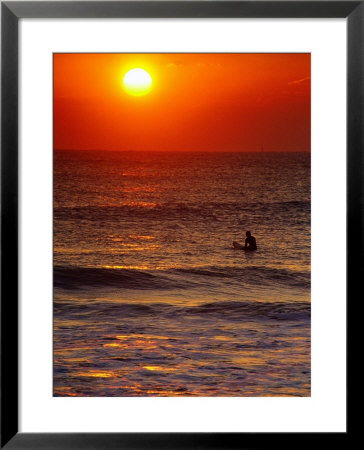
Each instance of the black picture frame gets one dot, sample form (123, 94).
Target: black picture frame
(11, 12)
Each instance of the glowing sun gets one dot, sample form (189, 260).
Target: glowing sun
(137, 82)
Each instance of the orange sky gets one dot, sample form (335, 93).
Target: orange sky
(198, 102)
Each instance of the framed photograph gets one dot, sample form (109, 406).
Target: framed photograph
(181, 191)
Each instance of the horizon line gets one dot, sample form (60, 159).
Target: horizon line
(178, 151)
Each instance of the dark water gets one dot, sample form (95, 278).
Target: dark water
(150, 298)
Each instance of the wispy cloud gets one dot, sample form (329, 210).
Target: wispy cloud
(300, 81)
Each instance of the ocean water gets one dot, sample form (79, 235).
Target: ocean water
(150, 297)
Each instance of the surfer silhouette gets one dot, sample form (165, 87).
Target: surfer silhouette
(250, 242)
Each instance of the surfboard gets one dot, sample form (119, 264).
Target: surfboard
(238, 246)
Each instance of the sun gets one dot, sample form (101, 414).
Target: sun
(137, 82)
